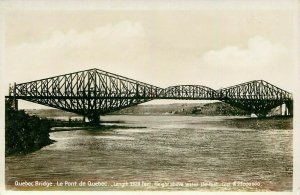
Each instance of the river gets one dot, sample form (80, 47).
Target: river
(211, 153)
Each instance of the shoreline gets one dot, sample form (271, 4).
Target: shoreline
(49, 125)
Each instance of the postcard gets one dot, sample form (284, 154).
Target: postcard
(189, 96)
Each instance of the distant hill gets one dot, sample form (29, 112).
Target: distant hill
(209, 109)
(49, 113)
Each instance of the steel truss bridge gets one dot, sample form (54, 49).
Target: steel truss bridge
(94, 92)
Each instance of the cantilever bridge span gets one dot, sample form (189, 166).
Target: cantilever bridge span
(94, 92)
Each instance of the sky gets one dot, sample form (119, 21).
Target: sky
(216, 45)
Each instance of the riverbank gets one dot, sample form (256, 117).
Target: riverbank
(24, 133)
(204, 109)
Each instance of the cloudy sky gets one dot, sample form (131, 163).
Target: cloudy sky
(217, 46)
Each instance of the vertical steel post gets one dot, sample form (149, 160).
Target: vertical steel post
(15, 101)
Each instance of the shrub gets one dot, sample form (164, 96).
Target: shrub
(24, 133)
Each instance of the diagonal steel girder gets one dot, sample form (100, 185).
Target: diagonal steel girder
(95, 92)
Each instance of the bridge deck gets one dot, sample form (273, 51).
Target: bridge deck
(93, 92)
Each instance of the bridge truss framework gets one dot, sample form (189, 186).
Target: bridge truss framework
(94, 92)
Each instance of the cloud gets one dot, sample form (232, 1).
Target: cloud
(108, 46)
(260, 59)
(118, 32)
(259, 52)
(125, 48)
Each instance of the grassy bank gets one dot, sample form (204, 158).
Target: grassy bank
(24, 133)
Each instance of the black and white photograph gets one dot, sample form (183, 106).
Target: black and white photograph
(196, 96)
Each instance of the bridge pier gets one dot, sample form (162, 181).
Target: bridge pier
(284, 110)
(94, 119)
(14, 101)
(261, 113)
(289, 106)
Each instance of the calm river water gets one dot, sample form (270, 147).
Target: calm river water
(161, 153)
